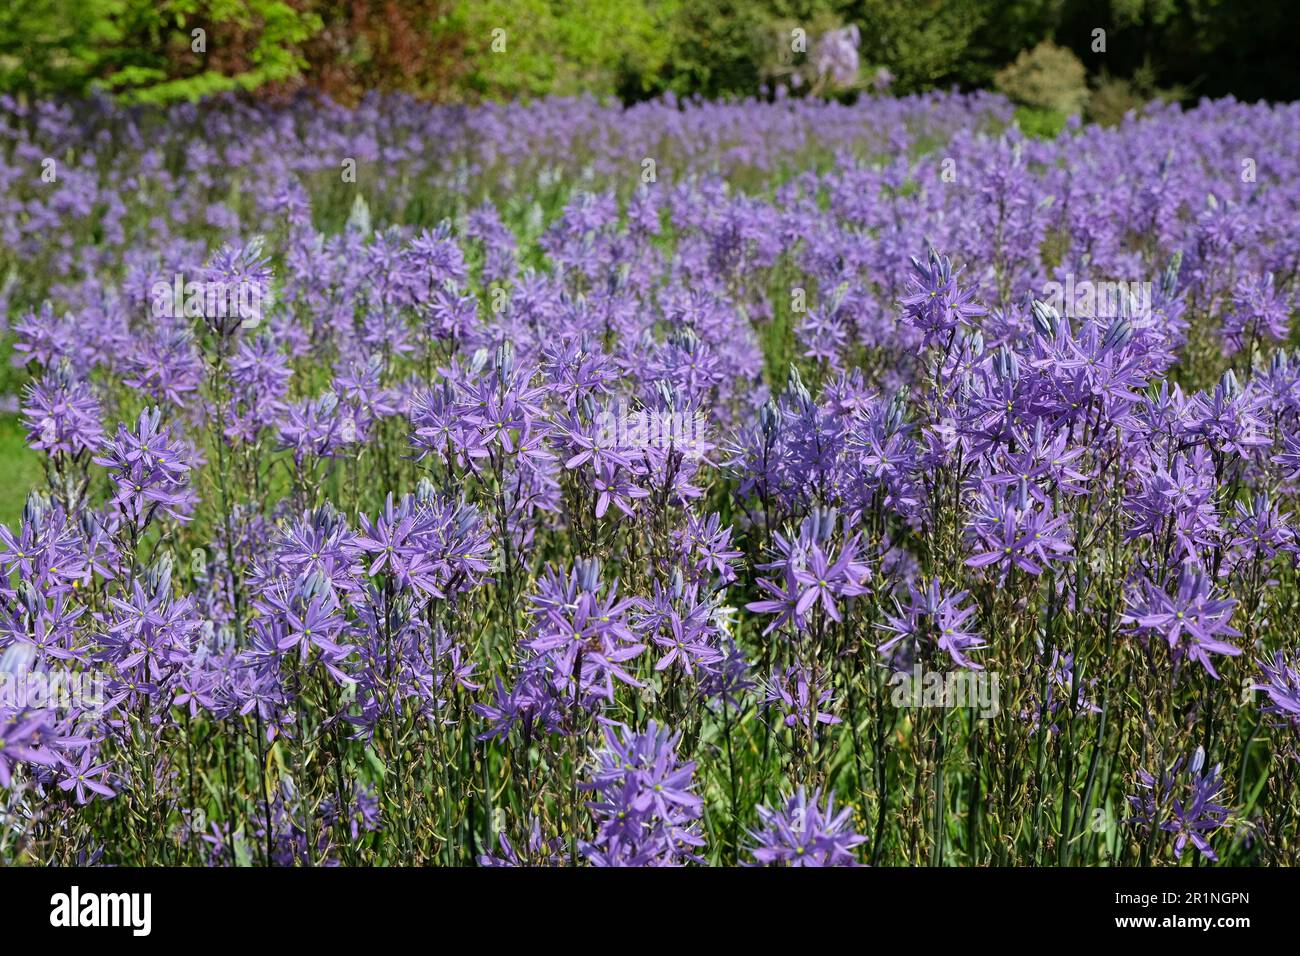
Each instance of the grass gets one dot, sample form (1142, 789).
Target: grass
(20, 470)
(1041, 123)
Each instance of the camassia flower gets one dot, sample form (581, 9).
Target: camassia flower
(62, 414)
(1259, 310)
(645, 808)
(1193, 621)
(85, 777)
(812, 577)
(1182, 801)
(425, 543)
(1020, 535)
(798, 696)
(806, 831)
(582, 631)
(1281, 685)
(536, 852)
(1289, 457)
(1260, 530)
(150, 470)
(237, 286)
(932, 622)
(935, 303)
(681, 626)
(21, 742)
(420, 561)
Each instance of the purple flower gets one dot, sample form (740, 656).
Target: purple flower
(1259, 310)
(1018, 535)
(806, 832)
(1289, 458)
(62, 415)
(1281, 684)
(812, 577)
(1181, 801)
(581, 629)
(22, 741)
(536, 852)
(680, 625)
(150, 470)
(932, 622)
(237, 282)
(645, 808)
(835, 55)
(935, 304)
(798, 696)
(1193, 621)
(85, 777)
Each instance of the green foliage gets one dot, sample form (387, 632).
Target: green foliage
(716, 49)
(922, 42)
(1205, 47)
(143, 50)
(561, 46)
(147, 51)
(273, 56)
(1112, 98)
(20, 469)
(245, 44)
(1005, 29)
(53, 44)
(1131, 13)
(1041, 123)
(1048, 77)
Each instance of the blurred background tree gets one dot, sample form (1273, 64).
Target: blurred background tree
(152, 50)
(145, 50)
(561, 48)
(54, 46)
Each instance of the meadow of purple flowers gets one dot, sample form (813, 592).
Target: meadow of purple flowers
(695, 483)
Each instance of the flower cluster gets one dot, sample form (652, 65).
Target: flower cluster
(1181, 801)
(645, 809)
(576, 524)
(806, 832)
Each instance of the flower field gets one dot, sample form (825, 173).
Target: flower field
(695, 483)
